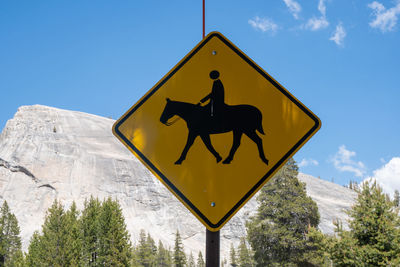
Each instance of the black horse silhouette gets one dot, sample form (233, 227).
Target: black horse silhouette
(239, 119)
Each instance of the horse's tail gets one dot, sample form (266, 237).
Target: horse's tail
(259, 122)
(260, 129)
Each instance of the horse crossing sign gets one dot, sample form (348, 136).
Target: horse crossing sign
(231, 127)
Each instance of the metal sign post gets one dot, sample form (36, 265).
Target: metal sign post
(212, 248)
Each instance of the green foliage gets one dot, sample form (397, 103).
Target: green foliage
(245, 258)
(97, 238)
(344, 251)
(10, 241)
(374, 236)
(224, 263)
(163, 258)
(200, 260)
(179, 254)
(34, 256)
(316, 249)
(190, 262)
(60, 243)
(396, 198)
(233, 257)
(51, 245)
(73, 238)
(146, 250)
(114, 239)
(278, 232)
(89, 225)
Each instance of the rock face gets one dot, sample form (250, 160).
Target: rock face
(332, 201)
(48, 153)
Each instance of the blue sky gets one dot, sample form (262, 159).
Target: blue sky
(339, 57)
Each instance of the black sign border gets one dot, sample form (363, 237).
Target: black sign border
(265, 177)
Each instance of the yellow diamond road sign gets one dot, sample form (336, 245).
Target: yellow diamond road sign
(215, 129)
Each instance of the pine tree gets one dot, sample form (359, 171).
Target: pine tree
(89, 225)
(145, 250)
(190, 262)
(200, 260)
(35, 251)
(244, 258)
(152, 248)
(374, 236)
(233, 257)
(317, 248)
(163, 258)
(179, 254)
(10, 241)
(73, 237)
(60, 241)
(396, 198)
(55, 246)
(53, 236)
(224, 262)
(278, 232)
(114, 240)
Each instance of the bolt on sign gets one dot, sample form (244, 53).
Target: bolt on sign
(215, 129)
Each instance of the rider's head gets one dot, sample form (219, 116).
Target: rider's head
(214, 74)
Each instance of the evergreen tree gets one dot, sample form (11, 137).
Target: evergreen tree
(52, 246)
(278, 232)
(35, 252)
(200, 260)
(244, 258)
(114, 240)
(396, 199)
(179, 254)
(190, 262)
(98, 238)
(152, 248)
(73, 238)
(233, 258)
(135, 258)
(10, 241)
(53, 236)
(374, 236)
(89, 225)
(145, 250)
(316, 248)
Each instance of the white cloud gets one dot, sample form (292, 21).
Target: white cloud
(315, 23)
(294, 7)
(339, 35)
(385, 19)
(388, 176)
(343, 161)
(322, 7)
(308, 162)
(263, 24)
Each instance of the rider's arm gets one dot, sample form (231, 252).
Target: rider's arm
(205, 98)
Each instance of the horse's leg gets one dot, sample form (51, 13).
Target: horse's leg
(237, 135)
(256, 139)
(189, 143)
(207, 142)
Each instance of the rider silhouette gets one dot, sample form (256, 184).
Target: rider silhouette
(216, 96)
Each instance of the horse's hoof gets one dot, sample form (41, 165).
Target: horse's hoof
(178, 162)
(266, 161)
(227, 161)
(219, 158)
